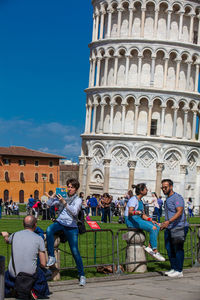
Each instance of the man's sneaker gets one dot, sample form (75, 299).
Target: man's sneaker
(51, 261)
(82, 281)
(148, 250)
(169, 272)
(158, 256)
(33, 295)
(176, 274)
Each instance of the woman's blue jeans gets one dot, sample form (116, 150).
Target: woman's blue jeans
(175, 251)
(138, 222)
(72, 238)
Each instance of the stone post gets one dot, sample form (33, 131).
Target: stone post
(131, 165)
(159, 169)
(142, 22)
(165, 72)
(185, 123)
(155, 23)
(197, 78)
(194, 124)
(130, 21)
(106, 162)
(178, 63)
(135, 252)
(169, 13)
(191, 28)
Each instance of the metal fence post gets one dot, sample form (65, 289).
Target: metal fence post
(2, 276)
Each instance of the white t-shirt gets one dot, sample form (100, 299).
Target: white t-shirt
(132, 202)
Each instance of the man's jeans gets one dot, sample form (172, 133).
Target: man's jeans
(72, 238)
(175, 251)
(93, 211)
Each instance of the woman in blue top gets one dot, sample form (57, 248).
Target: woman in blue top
(135, 218)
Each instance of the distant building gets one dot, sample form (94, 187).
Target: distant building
(24, 171)
(68, 170)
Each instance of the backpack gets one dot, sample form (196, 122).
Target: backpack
(81, 222)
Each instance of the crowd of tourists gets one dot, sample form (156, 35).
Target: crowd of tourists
(28, 244)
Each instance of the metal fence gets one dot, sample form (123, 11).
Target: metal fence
(106, 248)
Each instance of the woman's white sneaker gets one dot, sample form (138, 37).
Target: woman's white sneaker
(51, 261)
(158, 256)
(169, 272)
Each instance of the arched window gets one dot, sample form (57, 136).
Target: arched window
(22, 179)
(21, 196)
(6, 195)
(51, 177)
(7, 176)
(36, 177)
(36, 194)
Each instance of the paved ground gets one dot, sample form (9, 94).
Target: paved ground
(137, 287)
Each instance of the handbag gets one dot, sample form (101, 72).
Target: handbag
(177, 233)
(23, 281)
(81, 222)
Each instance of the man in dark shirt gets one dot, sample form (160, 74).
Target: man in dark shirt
(93, 204)
(31, 202)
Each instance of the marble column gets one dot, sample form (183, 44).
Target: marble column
(111, 116)
(102, 23)
(169, 14)
(86, 118)
(136, 118)
(106, 162)
(130, 21)
(88, 178)
(97, 27)
(199, 130)
(194, 124)
(185, 124)
(149, 120)
(123, 118)
(110, 11)
(183, 170)
(174, 122)
(98, 70)
(155, 23)
(153, 61)
(180, 26)
(119, 21)
(165, 72)
(188, 75)
(139, 70)
(142, 22)
(198, 42)
(159, 169)
(162, 120)
(127, 69)
(93, 71)
(178, 62)
(115, 70)
(90, 74)
(89, 118)
(101, 118)
(106, 70)
(80, 173)
(191, 28)
(197, 191)
(94, 118)
(131, 165)
(94, 28)
(197, 78)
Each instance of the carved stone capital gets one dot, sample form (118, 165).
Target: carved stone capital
(106, 162)
(81, 160)
(132, 164)
(183, 169)
(159, 167)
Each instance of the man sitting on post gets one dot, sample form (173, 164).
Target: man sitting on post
(27, 246)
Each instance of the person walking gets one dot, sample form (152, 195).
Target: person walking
(190, 207)
(175, 220)
(93, 204)
(106, 202)
(135, 218)
(31, 202)
(66, 222)
(156, 212)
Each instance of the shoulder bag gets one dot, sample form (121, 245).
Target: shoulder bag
(23, 281)
(177, 232)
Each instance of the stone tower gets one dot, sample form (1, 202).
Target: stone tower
(143, 104)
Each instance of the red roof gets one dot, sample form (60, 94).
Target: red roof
(22, 151)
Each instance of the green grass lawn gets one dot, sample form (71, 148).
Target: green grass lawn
(102, 252)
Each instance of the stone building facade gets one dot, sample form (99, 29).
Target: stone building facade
(143, 106)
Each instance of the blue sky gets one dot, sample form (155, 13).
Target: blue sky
(44, 69)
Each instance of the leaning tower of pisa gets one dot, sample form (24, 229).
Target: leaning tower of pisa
(143, 104)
